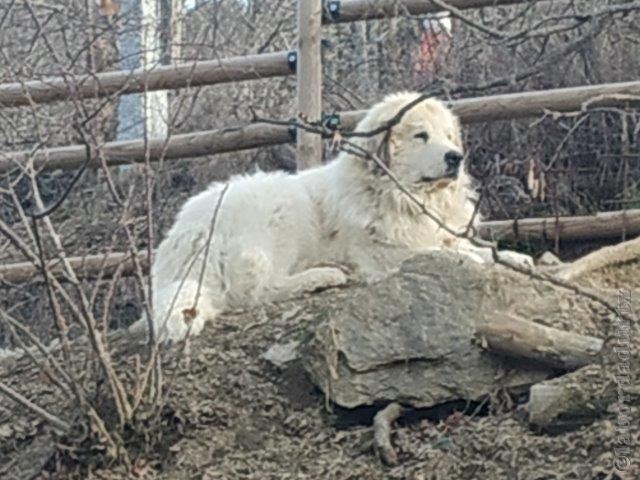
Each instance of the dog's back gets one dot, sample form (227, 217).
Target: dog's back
(277, 234)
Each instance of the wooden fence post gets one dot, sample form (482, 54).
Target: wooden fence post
(309, 81)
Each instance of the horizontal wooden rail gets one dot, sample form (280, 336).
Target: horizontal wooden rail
(528, 104)
(211, 72)
(186, 145)
(86, 266)
(354, 10)
(197, 144)
(602, 225)
(190, 74)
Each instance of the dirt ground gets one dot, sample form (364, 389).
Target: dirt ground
(232, 415)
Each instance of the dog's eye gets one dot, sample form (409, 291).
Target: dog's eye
(423, 136)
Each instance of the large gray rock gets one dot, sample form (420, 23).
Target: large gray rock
(411, 337)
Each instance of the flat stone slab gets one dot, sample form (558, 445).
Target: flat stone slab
(411, 337)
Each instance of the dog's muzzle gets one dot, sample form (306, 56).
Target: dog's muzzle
(453, 161)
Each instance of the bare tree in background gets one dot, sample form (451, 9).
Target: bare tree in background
(149, 38)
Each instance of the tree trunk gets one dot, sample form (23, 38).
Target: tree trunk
(145, 42)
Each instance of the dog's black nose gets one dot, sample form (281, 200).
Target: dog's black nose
(453, 159)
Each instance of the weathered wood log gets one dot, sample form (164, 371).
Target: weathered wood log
(600, 225)
(231, 139)
(503, 333)
(607, 256)
(575, 399)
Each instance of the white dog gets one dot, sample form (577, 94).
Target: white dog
(277, 235)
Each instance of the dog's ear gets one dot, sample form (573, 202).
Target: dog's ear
(380, 145)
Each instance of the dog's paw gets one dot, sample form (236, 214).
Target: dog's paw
(317, 278)
(348, 270)
(320, 278)
(548, 259)
(477, 256)
(308, 281)
(517, 259)
(180, 325)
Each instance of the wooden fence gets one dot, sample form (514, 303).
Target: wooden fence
(211, 72)
(600, 226)
(229, 139)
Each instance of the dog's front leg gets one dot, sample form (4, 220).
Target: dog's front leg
(485, 255)
(517, 259)
(311, 280)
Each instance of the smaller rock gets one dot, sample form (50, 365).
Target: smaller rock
(281, 354)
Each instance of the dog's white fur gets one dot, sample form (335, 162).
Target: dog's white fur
(278, 234)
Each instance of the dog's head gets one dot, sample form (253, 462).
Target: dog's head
(424, 148)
